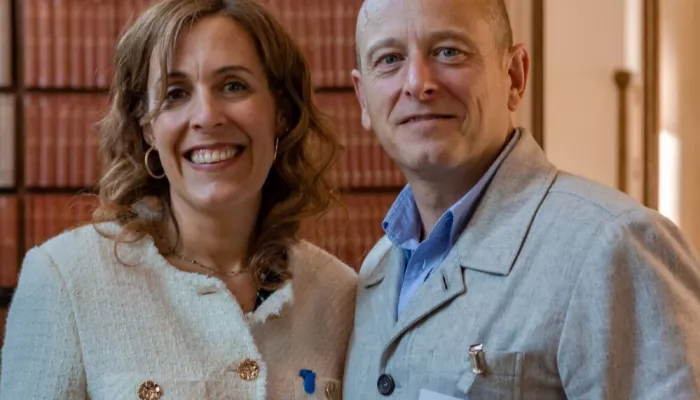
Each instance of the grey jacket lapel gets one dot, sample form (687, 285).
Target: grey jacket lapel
(442, 286)
(494, 236)
(381, 285)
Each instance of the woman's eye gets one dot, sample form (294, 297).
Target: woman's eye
(234, 87)
(175, 94)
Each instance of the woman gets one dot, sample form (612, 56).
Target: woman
(191, 285)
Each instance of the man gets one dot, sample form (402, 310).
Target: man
(501, 277)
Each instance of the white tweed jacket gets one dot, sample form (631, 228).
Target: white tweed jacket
(82, 325)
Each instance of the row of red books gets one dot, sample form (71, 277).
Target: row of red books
(70, 43)
(348, 230)
(7, 141)
(325, 31)
(60, 139)
(364, 163)
(46, 216)
(61, 142)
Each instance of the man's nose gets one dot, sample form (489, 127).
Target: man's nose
(420, 82)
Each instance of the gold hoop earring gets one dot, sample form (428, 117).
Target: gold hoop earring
(277, 142)
(148, 168)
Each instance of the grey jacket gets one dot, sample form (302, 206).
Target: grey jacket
(572, 289)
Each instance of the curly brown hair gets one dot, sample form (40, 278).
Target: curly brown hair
(296, 187)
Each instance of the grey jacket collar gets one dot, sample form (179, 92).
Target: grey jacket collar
(494, 236)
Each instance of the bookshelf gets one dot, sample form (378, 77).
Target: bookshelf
(54, 78)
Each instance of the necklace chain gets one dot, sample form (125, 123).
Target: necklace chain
(200, 265)
(213, 270)
(259, 298)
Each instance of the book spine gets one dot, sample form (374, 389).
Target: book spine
(62, 45)
(30, 41)
(47, 146)
(31, 140)
(46, 43)
(5, 43)
(75, 43)
(8, 242)
(7, 141)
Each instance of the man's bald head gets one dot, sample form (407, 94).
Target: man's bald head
(495, 13)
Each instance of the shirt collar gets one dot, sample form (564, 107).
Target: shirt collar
(402, 224)
(402, 221)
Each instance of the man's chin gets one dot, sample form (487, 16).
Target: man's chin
(431, 155)
(430, 165)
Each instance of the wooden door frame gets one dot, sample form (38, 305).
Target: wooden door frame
(537, 73)
(651, 124)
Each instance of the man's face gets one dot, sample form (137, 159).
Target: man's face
(434, 85)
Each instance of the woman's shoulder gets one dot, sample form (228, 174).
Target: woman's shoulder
(88, 237)
(90, 246)
(309, 259)
(75, 240)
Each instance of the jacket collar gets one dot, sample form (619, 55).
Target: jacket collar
(494, 235)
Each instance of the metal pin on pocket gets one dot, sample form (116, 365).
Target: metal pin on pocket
(476, 352)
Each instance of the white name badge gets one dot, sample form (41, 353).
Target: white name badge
(426, 394)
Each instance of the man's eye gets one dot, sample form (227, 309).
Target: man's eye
(389, 59)
(449, 52)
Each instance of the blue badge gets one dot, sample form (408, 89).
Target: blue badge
(309, 380)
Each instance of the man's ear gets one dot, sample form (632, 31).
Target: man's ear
(518, 71)
(357, 84)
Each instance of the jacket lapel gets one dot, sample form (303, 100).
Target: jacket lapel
(490, 243)
(443, 285)
(381, 286)
(496, 232)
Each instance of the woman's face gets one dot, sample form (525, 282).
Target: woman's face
(215, 134)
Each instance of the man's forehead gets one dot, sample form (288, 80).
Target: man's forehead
(382, 15)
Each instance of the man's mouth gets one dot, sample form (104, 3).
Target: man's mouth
(426, 117)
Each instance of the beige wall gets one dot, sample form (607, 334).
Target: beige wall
(680, 115)
(584, 44)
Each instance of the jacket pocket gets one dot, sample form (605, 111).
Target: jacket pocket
(133, 386)
(500, 379)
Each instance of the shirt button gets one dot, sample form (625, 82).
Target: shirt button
(386, 385)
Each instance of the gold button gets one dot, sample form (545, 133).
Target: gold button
(332, 391)
(248, 370)
(150, 390)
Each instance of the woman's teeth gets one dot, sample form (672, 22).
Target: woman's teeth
(205, 156)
